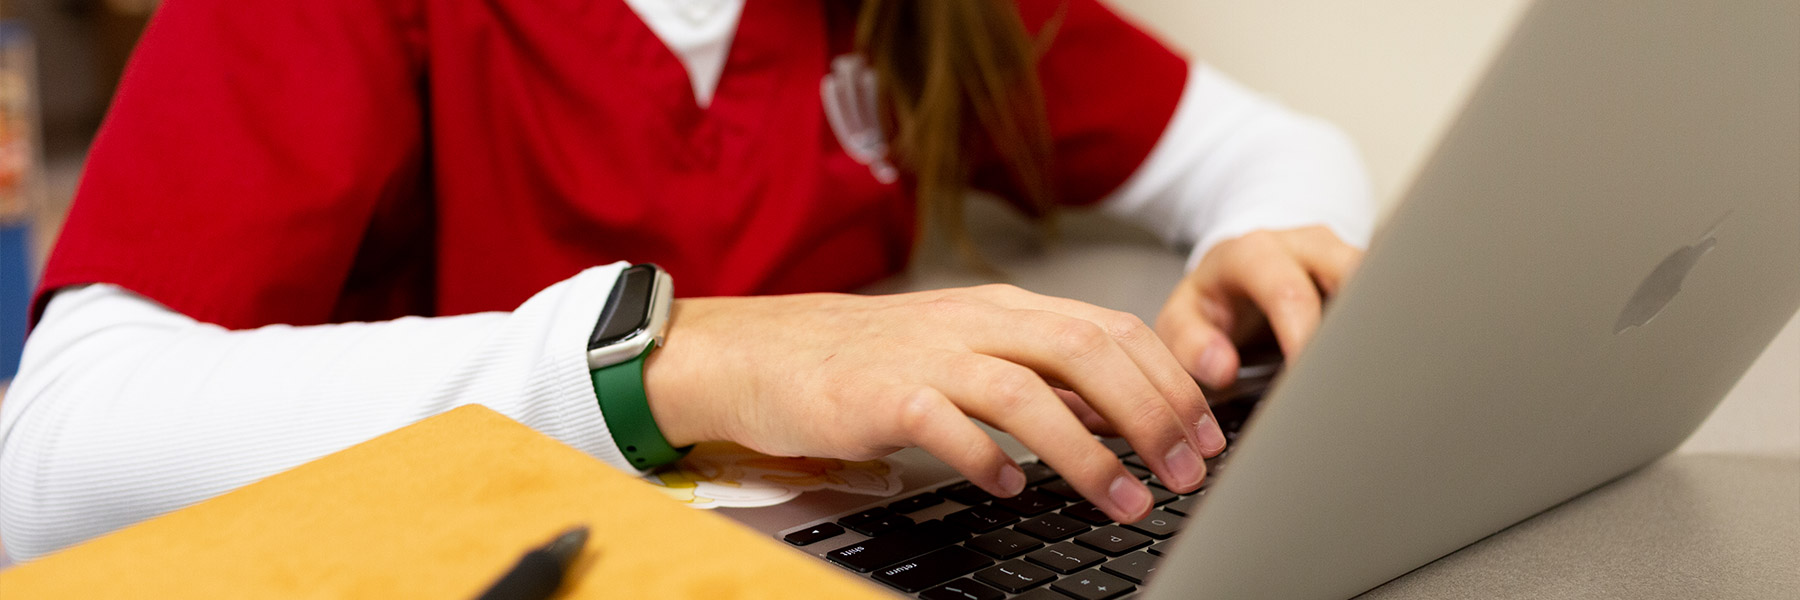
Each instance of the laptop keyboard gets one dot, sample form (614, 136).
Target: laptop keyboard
(957, 542)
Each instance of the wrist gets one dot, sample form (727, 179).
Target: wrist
(672, 385)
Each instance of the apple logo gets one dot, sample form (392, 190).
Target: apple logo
(1664, 282)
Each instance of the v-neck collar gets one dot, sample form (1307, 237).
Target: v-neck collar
(666, 70)
(778, 44)
(698, 32)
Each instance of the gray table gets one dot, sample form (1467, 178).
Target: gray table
(1718, 518)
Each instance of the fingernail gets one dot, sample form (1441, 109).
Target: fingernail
(1184, 466)
(1215, 364)
(1129, 496)
(1212, 439)
(1012, 480)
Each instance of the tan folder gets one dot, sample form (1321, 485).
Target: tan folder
(438, 509)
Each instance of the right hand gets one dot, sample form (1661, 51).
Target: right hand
(858, 377)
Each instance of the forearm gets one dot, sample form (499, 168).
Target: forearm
(124, 410)
(1231, 162)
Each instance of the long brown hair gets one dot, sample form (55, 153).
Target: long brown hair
(936, 61)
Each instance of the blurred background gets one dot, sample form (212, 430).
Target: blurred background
(1391, 72)
(59, 62)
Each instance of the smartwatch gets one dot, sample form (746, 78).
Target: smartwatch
(631, 325)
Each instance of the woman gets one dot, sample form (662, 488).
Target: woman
(280, 184)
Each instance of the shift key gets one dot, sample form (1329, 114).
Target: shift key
(890, 548)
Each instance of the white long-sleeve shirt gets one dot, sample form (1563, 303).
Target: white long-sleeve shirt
(124, 409)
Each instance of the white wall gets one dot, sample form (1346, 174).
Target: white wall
(1390, 72)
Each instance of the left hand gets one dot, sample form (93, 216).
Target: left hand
(1264, 279)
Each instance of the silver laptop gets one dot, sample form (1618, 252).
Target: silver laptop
(1600, 246)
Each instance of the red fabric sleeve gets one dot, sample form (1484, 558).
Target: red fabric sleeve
(247, 151)
(1109, 91)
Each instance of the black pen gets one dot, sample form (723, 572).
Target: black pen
(540, 572)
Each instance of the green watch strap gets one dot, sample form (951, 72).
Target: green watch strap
(620, 388)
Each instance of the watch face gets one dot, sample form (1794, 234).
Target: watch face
(627, 309)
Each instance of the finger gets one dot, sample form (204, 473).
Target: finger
(1327, 258)
(1082, 355)
(1284, 292)
(1017, 401)
(1204, 350)
(1084, 413)
(929, 420)
(1153, 361)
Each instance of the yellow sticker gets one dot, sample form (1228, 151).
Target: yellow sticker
(719, 475)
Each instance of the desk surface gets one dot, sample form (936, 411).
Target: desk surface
(1718, 518)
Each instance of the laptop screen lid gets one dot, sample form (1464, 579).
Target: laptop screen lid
(1603, 242)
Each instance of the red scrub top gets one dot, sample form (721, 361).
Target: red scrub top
(313, 161)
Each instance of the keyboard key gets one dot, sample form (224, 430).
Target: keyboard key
(1014, 576)
(1066, 557)
(1094, 585)
(966, 493)
(1138, 472)
(875, 521)
(822, 531)
(1037, 472)
(873, 513)
(1135, 566)
(962, 589)
(1159, 525)
(1136, 461)
(1086, 511)
(1161, 547)
(1113, 540)
(1040, 594)
(916, 503)
(890, 548)
(1118, 446)
(884, 525)
(1186, 506)
(1052, 527)
(1060, 488)
(1030, 503)
(1160, 494)
(1232, 415)
(1004, 543)
(932, 569)
(981, 519)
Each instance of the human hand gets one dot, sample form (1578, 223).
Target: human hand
(857, 377)
(1262, 280)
